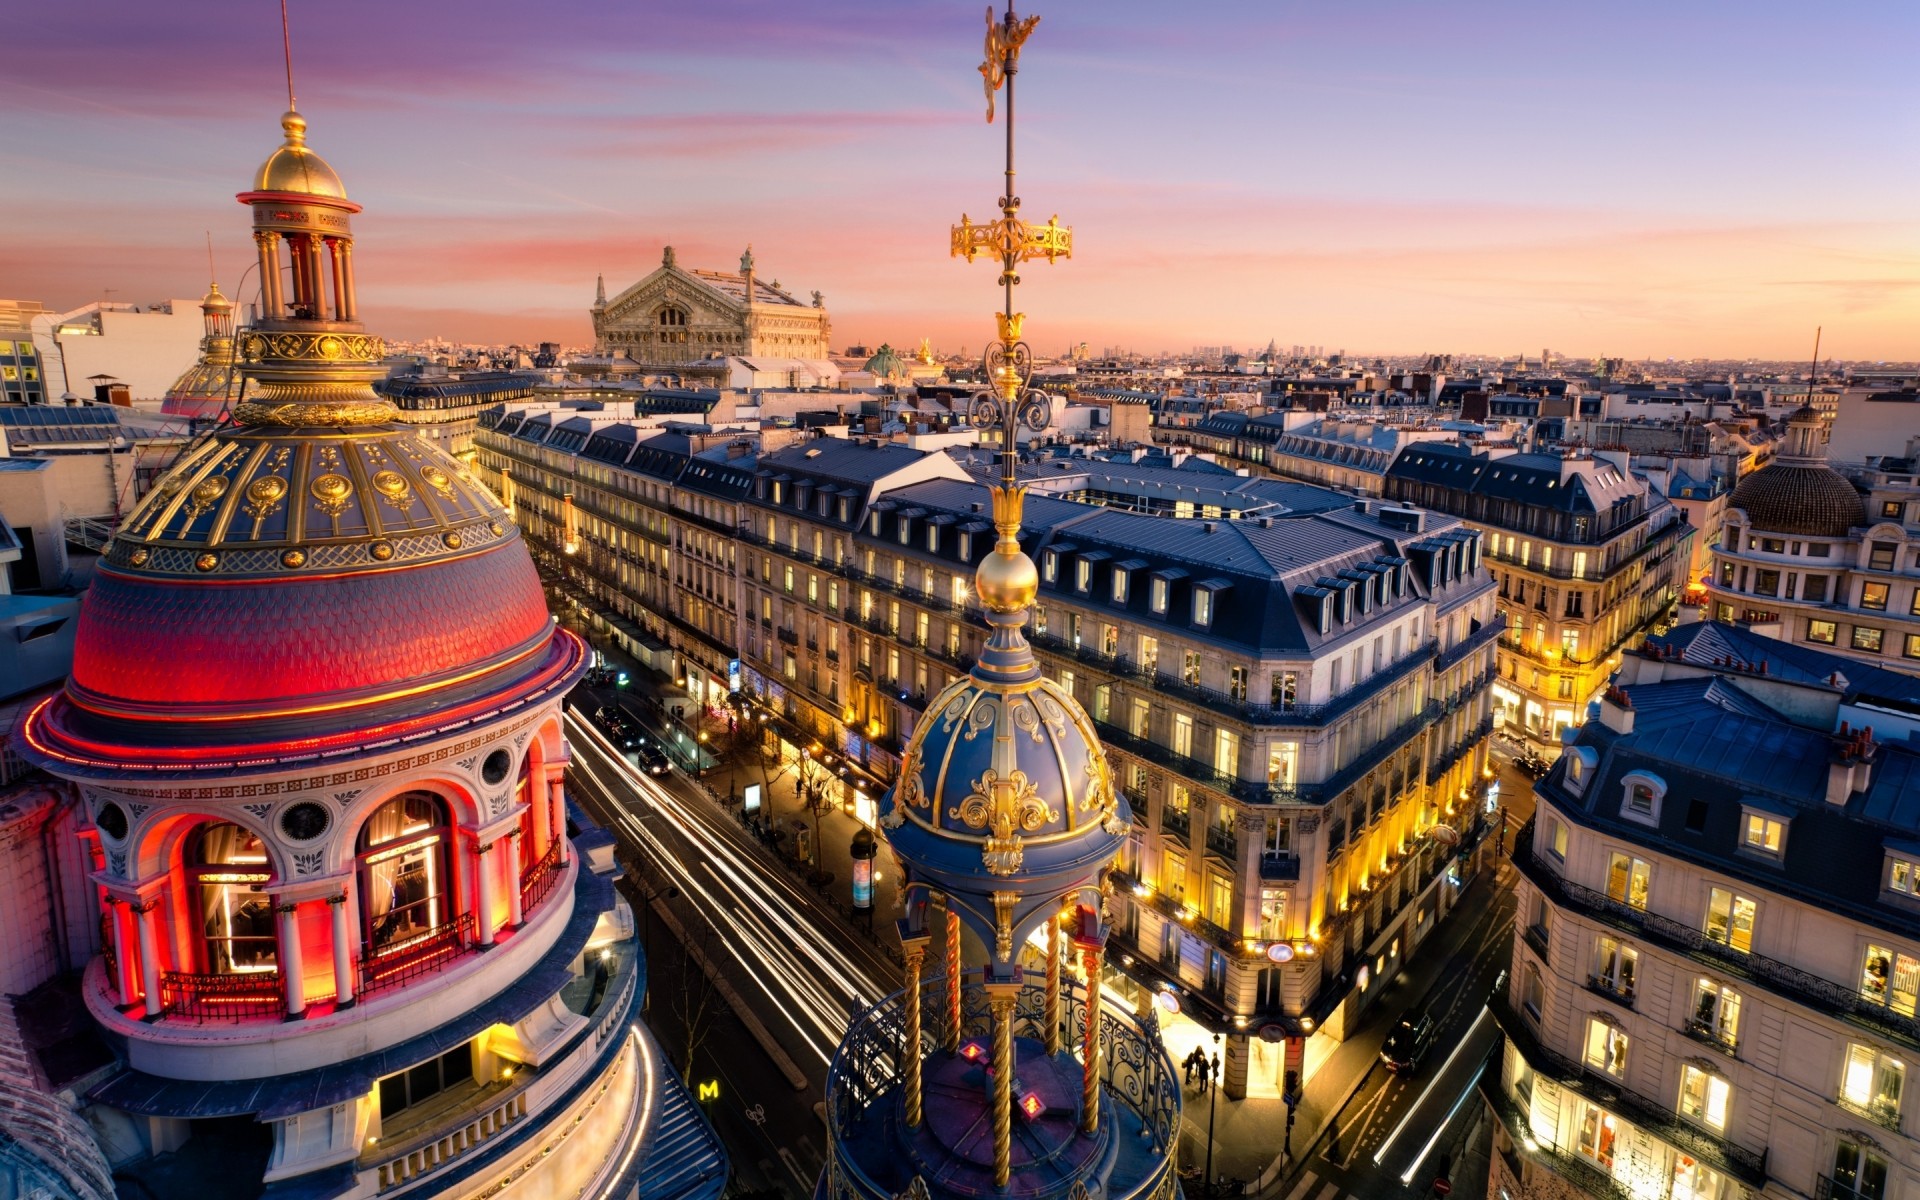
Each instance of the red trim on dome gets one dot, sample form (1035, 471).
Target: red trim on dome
(317, 201)
(40, 731)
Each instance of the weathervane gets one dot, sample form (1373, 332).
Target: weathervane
(1010, 401)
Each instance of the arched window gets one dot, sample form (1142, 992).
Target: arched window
(228, 872)
(402, 857)
(673, 318)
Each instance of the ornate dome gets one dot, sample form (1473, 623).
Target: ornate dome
(1798, 493)
(206, 388)
(295, 170)
(315, 572)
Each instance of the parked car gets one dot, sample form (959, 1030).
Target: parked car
(1532, 764)
(621, 731)
(1407, 1044)
(654, 760)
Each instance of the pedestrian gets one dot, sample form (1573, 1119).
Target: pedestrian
(1188, 1064)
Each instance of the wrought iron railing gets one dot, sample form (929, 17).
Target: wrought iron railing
(538, 880)
(1887, 1116)
(1586, 1175)
(1179, 910)
(238, 997)
(400, 962)
(1136, 1072)
(1707, 1034)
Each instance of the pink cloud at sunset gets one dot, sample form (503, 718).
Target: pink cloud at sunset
(1385, 178)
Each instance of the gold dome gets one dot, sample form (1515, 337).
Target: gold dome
(295, 169)
(214, 300)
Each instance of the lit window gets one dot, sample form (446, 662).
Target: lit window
(1891, 979)
(1764, 834)
(1202, 607)
(1158, 596)
(1823, 632)
(1867, 638)
(1628, 881)
(1616, 968)
(1704, 1097)
(1559, 843)
(403, 869)
(1597, 1135)
(1730, 919)
(1082, 575)
(1606, 1047)
(1874, 596)
(1716, 1013)
(1872, 1082)
(1119, 587)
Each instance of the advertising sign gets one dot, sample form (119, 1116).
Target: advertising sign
(750, 799)
(863, 883)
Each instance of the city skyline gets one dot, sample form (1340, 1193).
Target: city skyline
(1707, 189)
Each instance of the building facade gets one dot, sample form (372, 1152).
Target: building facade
(1588, 559)
(1815, 558)
(348, 928)
(446, 406)
(1717, 953)
(686, 314)
(1291, 703)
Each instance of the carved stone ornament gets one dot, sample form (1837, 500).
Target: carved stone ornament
(1003, 903)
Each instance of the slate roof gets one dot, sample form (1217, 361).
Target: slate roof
(1706, 644)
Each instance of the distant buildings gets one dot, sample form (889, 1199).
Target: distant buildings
(1816, 558)
(1588, 557)
(1716, 961)
(141, 347)
(21, 379)
(446, 405)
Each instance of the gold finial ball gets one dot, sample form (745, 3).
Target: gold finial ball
(295, 127)
(1007, 582)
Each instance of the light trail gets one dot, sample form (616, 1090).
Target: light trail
(1413, 1108)
(1406, 1176)
(766, 928)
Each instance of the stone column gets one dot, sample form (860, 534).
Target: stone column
(297, 260)
(149, 956)
(483, 873)
(272, 305)
(1053, 985)
(557, 814)
(1090, 1058)
(315, 296)
(342, 952)
(916, 955)
(1239, 1059)
(291, 965)
(953, 982)
(516, 903)
(339, 280)
(345, 267)
(1002, 999)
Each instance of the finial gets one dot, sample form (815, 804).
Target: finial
(746, 260)
(666, 257)
(295, 127)
(1007, 582)
(286, 44)
(210, 274)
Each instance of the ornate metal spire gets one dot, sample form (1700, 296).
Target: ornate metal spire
(1006, 581)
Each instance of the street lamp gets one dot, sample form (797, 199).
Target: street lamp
(1211, 1072)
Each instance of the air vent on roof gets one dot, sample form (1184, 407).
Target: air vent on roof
(1411, 520)
(1206, 527)
(1266, 522)
(977, 506)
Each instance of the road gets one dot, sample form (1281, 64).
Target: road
(796, 966)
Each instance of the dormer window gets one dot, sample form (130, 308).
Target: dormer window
(873, 523)
(1642, 793)
(846, 508)
(1082, 575)
(1580, 765)
(1157, 596)
(905, 531)
(1119, 586)
(1202, 607)
(1764, 834)
(1050, 566)
(933, 539)
(1326, 613)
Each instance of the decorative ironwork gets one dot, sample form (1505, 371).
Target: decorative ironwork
(254, 995)
(401, 962)
(538, 880)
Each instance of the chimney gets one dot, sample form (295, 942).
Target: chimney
(1851, 766)
(1616, 710)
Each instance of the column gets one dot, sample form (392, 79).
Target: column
(291, 967)
(342, 952)
(1001, 999)
(339, 280)
(149, 956)
(272, 306)
(953, 982)
(483, 871)
(916, 954)
(1090, 1059)
(557, 813)
(1053, 985)
(125, 969)
(297, 260)
(1238, 1060)
(516, 903)
(352, 310)
(316, 298)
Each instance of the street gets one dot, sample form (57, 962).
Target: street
(796, 966)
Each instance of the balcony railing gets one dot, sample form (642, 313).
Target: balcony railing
(538, 880)
(1619, 993)
(1823, 994)
(399, 962)
(1278, 867)
(1223, 842)
(1707, 1034)
(236, 997)
(1885, 1115)
(1825, 1187)
(1177, 823)
(1607, 1092)
(1588, 1177)
(1181, 912)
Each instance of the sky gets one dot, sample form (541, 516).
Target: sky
(1646, 180)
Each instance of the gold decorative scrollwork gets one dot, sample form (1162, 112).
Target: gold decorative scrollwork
(263, 496)
(912, 795)
(393, 488)
(327, 414)
(1003, 903)
(981, 719)
(1002, 53)
(437, 480)
(315, 347)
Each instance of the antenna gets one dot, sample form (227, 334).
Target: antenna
(286, 44)
(1813, 372)
(210, 274)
